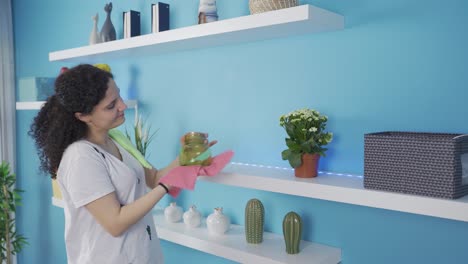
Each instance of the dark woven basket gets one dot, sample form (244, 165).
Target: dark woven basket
(428, 164)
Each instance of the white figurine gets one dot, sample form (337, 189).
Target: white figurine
(207, 11)
(173, 213)
(217, 222)
(192, 217)
(94, 37)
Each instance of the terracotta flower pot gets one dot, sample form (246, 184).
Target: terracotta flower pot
(309, 166)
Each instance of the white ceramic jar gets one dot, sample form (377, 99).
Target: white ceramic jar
(192, 217)
(217, 222)
(173, 213)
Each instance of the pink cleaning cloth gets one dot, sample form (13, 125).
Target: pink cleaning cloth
(184, 177)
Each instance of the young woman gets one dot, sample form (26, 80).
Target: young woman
(104, 188)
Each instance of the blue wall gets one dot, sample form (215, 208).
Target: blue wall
(398, 65)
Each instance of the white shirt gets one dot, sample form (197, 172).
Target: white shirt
(86, 173)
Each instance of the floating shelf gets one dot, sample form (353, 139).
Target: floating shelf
(279, 23)
(233, 246)
(337, 187)
(38, 105)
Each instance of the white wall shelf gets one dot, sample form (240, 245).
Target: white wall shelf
(280, 23)
(337, 187)
(233, 246)
(38, 105)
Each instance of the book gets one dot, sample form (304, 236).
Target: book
(35, 88)
(159, 17)
(131, 24)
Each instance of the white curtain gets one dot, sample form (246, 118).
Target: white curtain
(7, 86)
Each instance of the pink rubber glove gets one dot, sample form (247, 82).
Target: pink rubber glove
(184, 177)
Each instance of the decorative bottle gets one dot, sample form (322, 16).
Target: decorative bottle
(207, 11)
(195, 150)
(94, 37)
(173, 213)
(217, 222)
(292, 231)
(192, 217)
(254, 221)
(108, 30)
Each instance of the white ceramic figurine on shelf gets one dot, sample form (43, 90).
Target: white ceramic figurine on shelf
(192, 217)
(94, 37)
(207, 11)
(217, 222)
(173, 213)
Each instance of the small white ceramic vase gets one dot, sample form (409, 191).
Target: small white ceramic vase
(94, 37)
(192, 217)
(173, 213)
(217, 222)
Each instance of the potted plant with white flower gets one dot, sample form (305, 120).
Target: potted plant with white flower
(306, 141)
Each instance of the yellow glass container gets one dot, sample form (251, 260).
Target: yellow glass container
(195, 150)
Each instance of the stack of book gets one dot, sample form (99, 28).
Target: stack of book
(159, 20)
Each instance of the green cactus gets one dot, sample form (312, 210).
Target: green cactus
(292, 231)
(254, 221)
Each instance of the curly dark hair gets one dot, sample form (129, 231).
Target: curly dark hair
(55, 127)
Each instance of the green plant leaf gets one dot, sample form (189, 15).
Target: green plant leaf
(292, 145)
(307, 147)
(295, 160)
(285, 154)
(8, 197)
